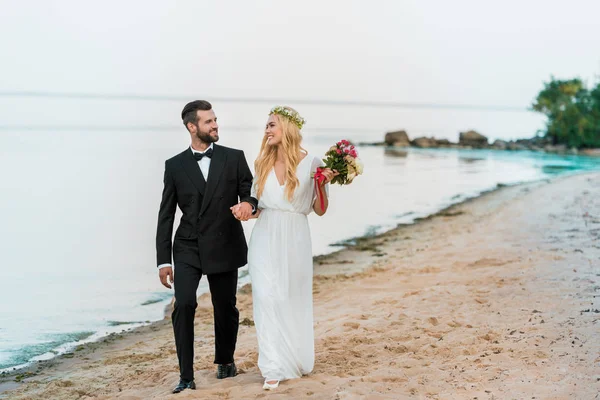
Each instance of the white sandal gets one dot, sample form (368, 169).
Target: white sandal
(270, 386)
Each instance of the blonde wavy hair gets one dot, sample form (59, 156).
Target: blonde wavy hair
(290, 144)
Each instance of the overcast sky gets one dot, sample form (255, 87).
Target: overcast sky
(459, 52)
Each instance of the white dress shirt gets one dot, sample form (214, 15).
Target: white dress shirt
(204, 165)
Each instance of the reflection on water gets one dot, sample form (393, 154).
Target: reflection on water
(395, 152)
(469, 160)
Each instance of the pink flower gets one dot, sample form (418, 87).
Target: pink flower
(346, 150)
(339, 143)
(338, 151)
(353, 153)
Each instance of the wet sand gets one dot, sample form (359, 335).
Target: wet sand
(494, 298)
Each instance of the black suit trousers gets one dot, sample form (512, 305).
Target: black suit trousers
(223, 289)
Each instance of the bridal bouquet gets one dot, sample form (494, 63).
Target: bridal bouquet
(343, 158)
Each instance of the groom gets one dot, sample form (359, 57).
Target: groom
(205, 180)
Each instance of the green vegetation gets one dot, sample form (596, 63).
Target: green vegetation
(573, 112)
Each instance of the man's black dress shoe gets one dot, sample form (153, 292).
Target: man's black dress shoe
(184, 385)
(226, 371)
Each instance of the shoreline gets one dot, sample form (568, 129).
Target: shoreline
(359, 245)
(347, 263)
(341, 245)
(30, 369)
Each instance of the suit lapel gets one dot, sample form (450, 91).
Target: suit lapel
(191, 168)
(217, 164)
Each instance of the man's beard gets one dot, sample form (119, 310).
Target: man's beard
(206, 137)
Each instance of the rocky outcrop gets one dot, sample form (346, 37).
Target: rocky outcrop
(516, 146)
(472, 139)
(559, 149)
(500, 145)
(397, 138)
(591, 152)
(444, 143)
(425, 142)
(536, 141)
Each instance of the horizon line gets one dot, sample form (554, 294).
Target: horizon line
(263, 100)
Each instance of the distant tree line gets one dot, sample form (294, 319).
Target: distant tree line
(573, 112)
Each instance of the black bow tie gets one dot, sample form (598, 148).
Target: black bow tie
(199, 156)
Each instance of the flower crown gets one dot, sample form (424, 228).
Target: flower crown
(291, 115)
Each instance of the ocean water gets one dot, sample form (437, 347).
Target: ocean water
(79, 207)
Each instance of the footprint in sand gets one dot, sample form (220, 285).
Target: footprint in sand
(488, 262)
(429, 270)
(396, 349)
(353, 325)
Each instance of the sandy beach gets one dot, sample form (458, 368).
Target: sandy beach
(494, 298)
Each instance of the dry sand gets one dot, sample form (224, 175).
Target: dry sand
(495, 298)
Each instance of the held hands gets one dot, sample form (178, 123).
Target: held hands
(242, 211)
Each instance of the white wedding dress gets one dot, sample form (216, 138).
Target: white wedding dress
(281, 269)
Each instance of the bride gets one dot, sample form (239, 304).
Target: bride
(280, 251)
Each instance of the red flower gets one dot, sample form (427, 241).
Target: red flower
(339, 151)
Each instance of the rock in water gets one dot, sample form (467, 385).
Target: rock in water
(473, 139)
(425, 142)
(397, 138)
(500, 145)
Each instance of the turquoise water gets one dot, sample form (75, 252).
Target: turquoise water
(79, 215)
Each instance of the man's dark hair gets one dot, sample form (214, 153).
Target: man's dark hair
(189, 112)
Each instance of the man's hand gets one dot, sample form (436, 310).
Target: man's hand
(242, 211)
(166, 276)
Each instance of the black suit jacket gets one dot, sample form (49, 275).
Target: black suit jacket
(209, 236)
